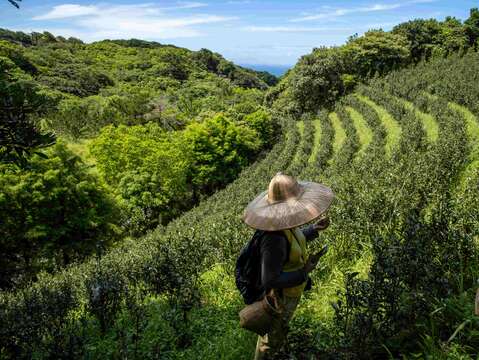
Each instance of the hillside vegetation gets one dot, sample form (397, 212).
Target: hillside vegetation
(319, 78)
(144, 130)
(400, 151)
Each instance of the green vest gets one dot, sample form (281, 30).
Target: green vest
(298, 256)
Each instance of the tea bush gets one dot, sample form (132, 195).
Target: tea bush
(420, 262)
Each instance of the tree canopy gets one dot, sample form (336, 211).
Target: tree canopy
(320, 77)
(21, 104)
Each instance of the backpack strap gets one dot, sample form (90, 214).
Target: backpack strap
(288, 248)
(291, 244)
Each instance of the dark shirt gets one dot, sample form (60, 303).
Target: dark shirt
(274, 251)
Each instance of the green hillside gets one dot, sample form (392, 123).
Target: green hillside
(398, 144)
(144, 132)
(396, 218)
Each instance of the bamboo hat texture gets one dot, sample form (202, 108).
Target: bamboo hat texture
(287, 203)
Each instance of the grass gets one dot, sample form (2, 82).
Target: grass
(393, 129)
(364, 132)
(212, 329)
(317, 140)
(429, 123)
(215, 325)
(339, 133)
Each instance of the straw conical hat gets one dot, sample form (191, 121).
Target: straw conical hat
(287, 203)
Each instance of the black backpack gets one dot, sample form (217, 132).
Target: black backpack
(248, 272)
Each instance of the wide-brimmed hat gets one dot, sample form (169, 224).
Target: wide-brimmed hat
(287, 203)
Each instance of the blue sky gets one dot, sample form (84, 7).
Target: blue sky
(245, 31)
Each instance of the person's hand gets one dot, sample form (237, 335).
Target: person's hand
(322, 224)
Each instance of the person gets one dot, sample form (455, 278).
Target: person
(285, 265)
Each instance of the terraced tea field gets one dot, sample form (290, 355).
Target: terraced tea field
(390, 151)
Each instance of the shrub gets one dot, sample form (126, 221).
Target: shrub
(148, 169)
(75, 79)
(15, 53)
(262, 122)
(219, 149)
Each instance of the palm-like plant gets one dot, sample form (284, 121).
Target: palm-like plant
(15, 3)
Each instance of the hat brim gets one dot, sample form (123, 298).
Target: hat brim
(313, 201)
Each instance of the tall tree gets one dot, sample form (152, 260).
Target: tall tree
(472, 26)
(21, 103)
(453, 36)
(423, 36)
(377, 52)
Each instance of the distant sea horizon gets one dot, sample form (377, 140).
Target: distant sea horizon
(277, 70)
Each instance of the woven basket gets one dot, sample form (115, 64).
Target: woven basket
(258, 317)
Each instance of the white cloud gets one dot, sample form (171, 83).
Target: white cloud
(145, 21)
(335, 13)
(67, 11)
(380, 7)
(74, 10)
(345, 11)
(187, 5)
(292, 29)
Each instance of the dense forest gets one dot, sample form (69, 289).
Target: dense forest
(125, 166)
(148, 130)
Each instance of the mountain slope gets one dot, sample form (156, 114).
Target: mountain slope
(393, 208)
